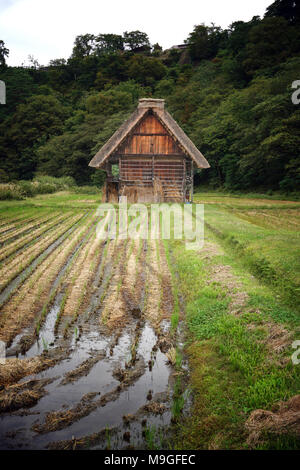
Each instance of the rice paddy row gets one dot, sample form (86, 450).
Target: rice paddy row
(85, 287)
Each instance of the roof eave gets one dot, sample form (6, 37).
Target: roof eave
(98, 161)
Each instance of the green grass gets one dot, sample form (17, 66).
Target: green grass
(269, 248)
(238, 197)
(233, 371)
(63, 200)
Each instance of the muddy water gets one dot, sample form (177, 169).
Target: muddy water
(101, 380)
(100, 393)
(47, 336)
(18, 280)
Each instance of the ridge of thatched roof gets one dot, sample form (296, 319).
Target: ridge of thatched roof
(157, 107)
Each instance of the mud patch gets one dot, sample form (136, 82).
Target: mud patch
(57, 420)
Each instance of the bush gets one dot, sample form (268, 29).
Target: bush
(62, 183)
(40, 185)
(26, 188)
(10, 191)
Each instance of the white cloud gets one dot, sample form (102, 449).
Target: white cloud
(47, 28)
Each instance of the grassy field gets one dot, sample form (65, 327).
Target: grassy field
(242, 315)
(117, 342)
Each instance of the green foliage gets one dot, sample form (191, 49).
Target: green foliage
(205, 41)
(288, 9)
(10, 191)
(230, 90)
(4, 52)
(136, 40)
(145, 70)
(19, 85)
(32, 123)
(40, 185)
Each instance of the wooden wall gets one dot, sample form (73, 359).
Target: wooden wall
(150, 137)
(150, 154)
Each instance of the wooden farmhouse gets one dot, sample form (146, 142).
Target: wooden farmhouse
(149, 158)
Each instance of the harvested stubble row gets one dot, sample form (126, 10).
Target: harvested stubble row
(167, 298)
(81, 274)
(31, 225)
(114, 310)
(25, 234)
(131, 289)
(152, 311)
(12, 225)
(18, 264)
(9, 250)
(23, 307)
(11, 222)
(106, 267)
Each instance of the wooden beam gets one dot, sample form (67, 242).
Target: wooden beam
(148, 134)
(150, 155)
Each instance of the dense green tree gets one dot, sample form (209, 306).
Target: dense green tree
(156, 49)
(265, 49)
(83, 46)
(205, 41)
(4, 52)
(145, 70)
(19, 85)
(69, 154)
(288, 9)
(229, 90)
(136, 40)
(109, 43)
(34, 121)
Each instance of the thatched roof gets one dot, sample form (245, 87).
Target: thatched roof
(157, 107)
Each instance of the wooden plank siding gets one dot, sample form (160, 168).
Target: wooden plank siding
(150, 153)
(149, 137)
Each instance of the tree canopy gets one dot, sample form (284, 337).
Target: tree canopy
(230, 90)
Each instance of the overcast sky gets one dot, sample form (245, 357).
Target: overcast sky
(46, 28)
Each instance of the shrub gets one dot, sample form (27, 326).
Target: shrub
(10, 191)
(62, 183)
(42, 185)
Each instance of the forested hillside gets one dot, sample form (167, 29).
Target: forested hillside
(229, 89)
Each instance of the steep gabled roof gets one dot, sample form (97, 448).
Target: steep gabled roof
(157, 108)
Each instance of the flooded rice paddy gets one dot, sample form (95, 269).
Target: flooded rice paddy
(90, 350)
